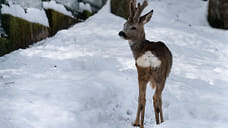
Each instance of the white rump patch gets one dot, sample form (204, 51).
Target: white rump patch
(148, 59)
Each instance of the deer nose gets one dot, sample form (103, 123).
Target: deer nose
(122, 34)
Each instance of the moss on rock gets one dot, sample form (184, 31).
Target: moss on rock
(120, 8)
(85, 14)
(58, 21)
(22, 33)
(3, 46)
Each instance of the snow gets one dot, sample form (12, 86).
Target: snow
(72, 4)
(57, 7)
(98, 3)
(28, 3)
(84, 6)
(85, 76)
(33, 15)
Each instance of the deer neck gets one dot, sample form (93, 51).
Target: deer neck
(137, 46)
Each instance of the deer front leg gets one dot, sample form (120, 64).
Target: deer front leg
(161, 113)
(136, 123)
(141, 104)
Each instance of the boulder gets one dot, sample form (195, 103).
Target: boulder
(120, 8)
(218, 13)
(58, 21)
(3, 46)
(22, 33)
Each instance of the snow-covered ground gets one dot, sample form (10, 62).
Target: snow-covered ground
(85, 77)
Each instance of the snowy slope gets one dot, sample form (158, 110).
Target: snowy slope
(85, 77)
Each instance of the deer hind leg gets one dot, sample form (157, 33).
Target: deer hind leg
(141, 102)
(157, 100)
(157, 107)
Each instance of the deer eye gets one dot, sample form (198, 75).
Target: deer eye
(133, 28)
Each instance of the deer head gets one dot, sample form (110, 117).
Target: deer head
(134, 27)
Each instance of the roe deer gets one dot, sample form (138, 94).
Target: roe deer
(152, 59)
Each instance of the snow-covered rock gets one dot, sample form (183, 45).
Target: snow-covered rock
(57, 7)
(72, 4)
(98, 3)
(33, 15)
(84, 6)
(28, 3)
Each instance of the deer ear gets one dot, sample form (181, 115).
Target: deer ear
(146, 18)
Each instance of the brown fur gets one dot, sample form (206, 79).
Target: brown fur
(156, 76)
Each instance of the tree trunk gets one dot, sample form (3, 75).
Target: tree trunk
(218, 13)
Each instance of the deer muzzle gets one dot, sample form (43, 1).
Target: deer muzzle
(122, 34)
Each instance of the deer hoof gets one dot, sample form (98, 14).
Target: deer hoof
(136, 124)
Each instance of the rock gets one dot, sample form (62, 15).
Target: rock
(84, 15)
(3, 46)
(58, 21)
(218, 13)
(22, 33)
(120, 8)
